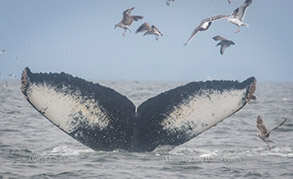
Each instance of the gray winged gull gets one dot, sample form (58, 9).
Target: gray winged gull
(127, 20)
(239, 14)
(149, 30)
(264, 133)
(204, 25)
(223, 42)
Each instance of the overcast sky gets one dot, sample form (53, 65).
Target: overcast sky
(78, 37)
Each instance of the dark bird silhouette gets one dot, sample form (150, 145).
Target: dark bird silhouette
(223, 42)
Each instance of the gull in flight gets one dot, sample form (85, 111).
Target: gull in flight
(264, 133)
(239, 14)
(223, 42)
(204, 25)
(127, 20)
(149, 30)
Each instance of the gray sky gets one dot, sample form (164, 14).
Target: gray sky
(78, 37)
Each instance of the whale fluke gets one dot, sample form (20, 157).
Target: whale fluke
(102, 119)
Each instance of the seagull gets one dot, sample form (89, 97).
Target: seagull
(168, 2)
(264, 133)
(204, 25)
(127, 20)
(239, 14)
(149, 30)
(223, 42)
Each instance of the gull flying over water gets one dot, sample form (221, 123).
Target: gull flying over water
(239, 14)
(204, 25)
(149, 30)
(264, 133)
(127, 20)
(223, 42)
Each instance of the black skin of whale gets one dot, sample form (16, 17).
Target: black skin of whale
(128, 130)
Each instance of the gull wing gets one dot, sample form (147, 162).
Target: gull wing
(218, 37)
(278, 126)
(128, 11)
(192, 35)
(156, 30)
(261, 126)
(144, 27)
(136, 18)
(204, 25)
(96, 116)
(235, 12)
(240, 12)
(218, 17)
(178, 115)
(223, 48)
(127, 18)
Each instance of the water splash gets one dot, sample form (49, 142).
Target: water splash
(67, 151)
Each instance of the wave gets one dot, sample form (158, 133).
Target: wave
(67, 151)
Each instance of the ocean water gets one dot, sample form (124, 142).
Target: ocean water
(32, 147)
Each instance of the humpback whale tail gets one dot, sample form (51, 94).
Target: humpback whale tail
(103, 119)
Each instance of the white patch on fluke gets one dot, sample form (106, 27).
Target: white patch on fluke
(200, 112)
(66, 110)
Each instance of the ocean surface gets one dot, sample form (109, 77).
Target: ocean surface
(32, 147)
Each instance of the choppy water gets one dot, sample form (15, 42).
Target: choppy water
(32, 147)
